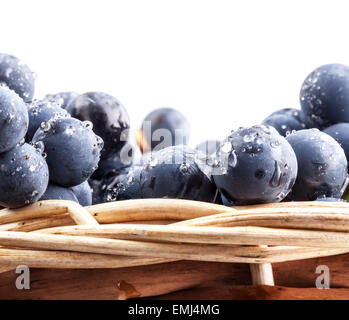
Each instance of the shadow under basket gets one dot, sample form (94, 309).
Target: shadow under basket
(176, 249)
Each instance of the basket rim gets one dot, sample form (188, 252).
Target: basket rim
(63, 234)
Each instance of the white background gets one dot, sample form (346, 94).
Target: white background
(224, 64)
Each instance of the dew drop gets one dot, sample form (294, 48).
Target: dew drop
(45, 126)
(259, 140)
(248, 137)
(232, 160)
(70, 130)
(184, 168)
(88, 124)
(276, 178)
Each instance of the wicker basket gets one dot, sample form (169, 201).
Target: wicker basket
(156, 247)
